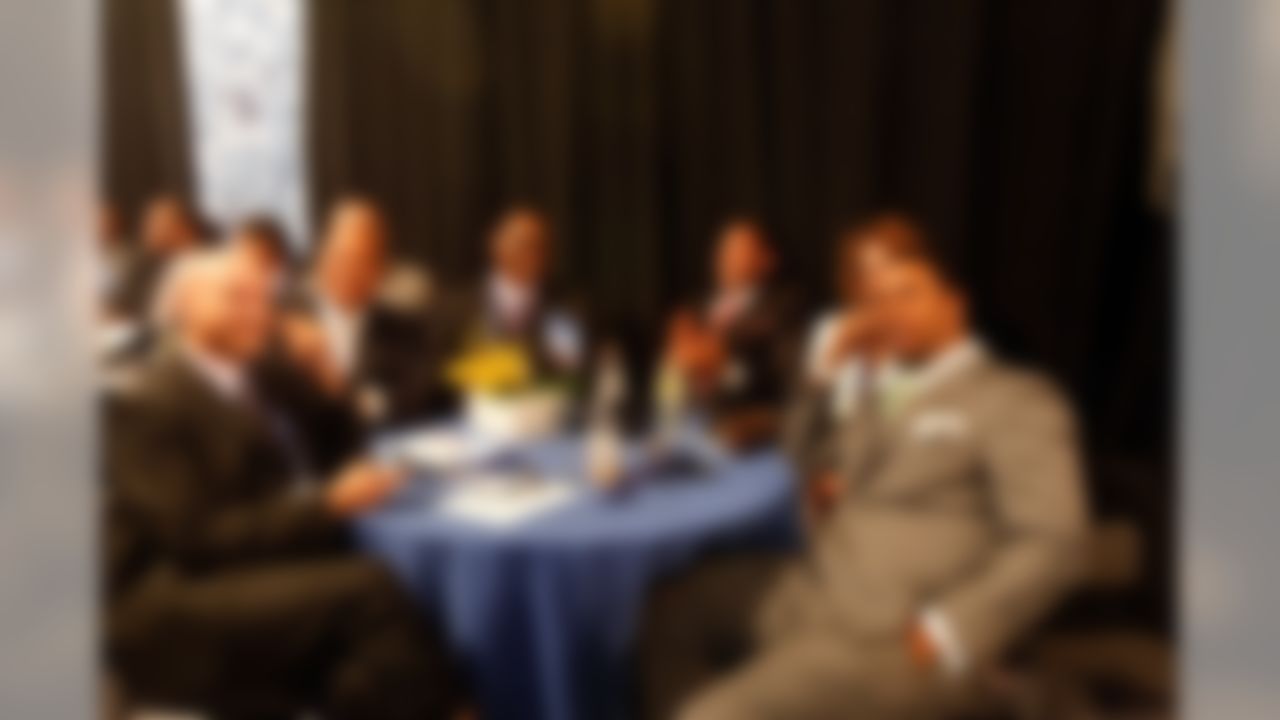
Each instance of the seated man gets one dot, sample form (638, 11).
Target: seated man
(959, 525)
(131, 320)
(735, 353)
(229, 587)
(168, 230)
(839, 356)
(345, 362)
(515, 301)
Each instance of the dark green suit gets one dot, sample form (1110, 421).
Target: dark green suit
(231, 590)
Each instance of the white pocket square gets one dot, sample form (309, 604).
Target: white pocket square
(939, 425)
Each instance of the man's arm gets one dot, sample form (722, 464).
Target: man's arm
(163, 481)
(1037, 491)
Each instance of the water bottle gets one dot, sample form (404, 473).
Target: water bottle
(604, 442)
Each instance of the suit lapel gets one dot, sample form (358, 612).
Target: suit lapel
(862, 437)
(929, 397)
(892, 433)
(228, 427)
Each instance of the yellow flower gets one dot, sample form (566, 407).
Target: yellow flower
(491, 368)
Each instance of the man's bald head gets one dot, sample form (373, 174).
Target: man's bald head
(221, 303)
(353, 256)
(520, 245)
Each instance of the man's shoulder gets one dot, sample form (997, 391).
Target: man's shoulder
(1007, 387)
(162, 389)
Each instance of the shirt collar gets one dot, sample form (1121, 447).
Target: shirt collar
(227, 378)
(328, 305)
(742, 296)
(944, 365)
(512, 298)
(729, 305)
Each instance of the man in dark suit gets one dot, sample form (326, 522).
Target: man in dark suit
(229, 587)
(168, 230)
(959, 524)
(130, 322)
(515, 301)
(736, 349)
(346, 363)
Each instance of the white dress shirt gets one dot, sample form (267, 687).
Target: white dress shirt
(728, 306)
(227, 378)
(514, 302)
(845, 379)
(342, 329)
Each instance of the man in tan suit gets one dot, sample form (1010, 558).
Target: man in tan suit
(959, 526)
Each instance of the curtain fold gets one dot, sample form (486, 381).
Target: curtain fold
(144, 135)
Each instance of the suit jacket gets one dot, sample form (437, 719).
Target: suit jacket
(199, 483)
(968, 501)
(762, 349)
(138, 276)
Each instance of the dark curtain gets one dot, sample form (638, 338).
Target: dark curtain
(1016, 131)
(143, 118)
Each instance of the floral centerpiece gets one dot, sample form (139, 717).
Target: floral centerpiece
(505, 399)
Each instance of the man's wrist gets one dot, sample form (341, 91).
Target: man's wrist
(942, 636)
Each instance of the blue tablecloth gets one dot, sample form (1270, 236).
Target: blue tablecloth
(544, 614)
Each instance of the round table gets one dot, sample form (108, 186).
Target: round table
(543, 614)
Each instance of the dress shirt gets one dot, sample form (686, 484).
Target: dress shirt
(513, 301)
(231, 382)
(342, 329)
(942, 366)
(227, 378)
(728, 306)
(845, 379)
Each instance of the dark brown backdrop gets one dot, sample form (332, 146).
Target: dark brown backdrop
(144, 122)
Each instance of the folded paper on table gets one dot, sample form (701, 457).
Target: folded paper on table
(503, 501)
(435, 449)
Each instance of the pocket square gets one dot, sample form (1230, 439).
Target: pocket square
(939, 425)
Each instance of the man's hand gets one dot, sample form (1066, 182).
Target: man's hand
(361, 486)
(823, 495)
(852, 337)
(747, 429)
(921, 648)
(306, 346)
(694, 350)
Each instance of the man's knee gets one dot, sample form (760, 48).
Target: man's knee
(362, 572)
(720, 702)
(368, 585)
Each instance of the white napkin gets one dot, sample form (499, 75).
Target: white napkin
(503, 501)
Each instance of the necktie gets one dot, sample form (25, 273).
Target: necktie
(283, 435)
